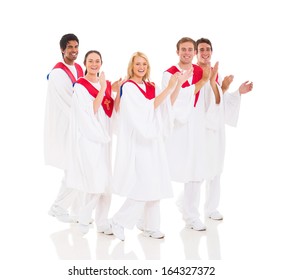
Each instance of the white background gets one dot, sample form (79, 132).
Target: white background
(246, 37)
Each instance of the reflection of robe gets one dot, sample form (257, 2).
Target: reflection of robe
(58, 102)
(90, 146)
(141, 170)
(186, 147)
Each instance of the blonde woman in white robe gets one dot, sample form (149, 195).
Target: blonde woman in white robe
(90, 165)
(141, 171)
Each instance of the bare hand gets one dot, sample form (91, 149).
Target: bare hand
(185, 75)
(214, 72)
(226, 83)
(246, 87)
(102, 80)
(115, 85)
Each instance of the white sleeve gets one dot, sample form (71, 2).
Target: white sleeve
(213, 110)
(60, 87)
(165, 79)
(139, 112)
(87, 122)
(166, 115)
(184, 102)
(232, 102)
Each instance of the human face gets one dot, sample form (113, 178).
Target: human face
(93, 63)
(204, 54)
(139, 67)
(186, 53)
(71, 52)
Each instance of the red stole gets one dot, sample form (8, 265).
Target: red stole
(107, 102)
(150, 92)
(78, 68)
(197, 76)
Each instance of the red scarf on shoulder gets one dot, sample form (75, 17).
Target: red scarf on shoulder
(197, 76)
(150, 91)
(62, 66)
(107, 102)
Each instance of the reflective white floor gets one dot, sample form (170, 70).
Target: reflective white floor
(246, 243)
(184, 243)
(248, 240)
(250, 230)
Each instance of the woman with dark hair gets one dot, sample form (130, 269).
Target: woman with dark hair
(90, 163)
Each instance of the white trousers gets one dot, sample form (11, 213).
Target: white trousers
(192, 191)
(101, 204)
(191, 201)
(132, 211)
(68, 198)
(212, 195)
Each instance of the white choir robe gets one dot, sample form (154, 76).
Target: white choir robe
(187, 146)
(197, 145)
(226, 112)
(141, 171)
(57, 115)
(89, 164)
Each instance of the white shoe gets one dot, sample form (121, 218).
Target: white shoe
(196, 225)
(106, 230)
(118, 230)
(61, 214)
(140, 227)
(154, 234)
(216, 216)
(76, 218)
(83, 228)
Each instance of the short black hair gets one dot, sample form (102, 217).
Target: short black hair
(66, 38)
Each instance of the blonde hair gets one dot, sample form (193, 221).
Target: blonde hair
(130, 73)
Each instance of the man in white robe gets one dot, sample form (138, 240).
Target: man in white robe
(57, 117)
(226, 112)
(186, 147)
